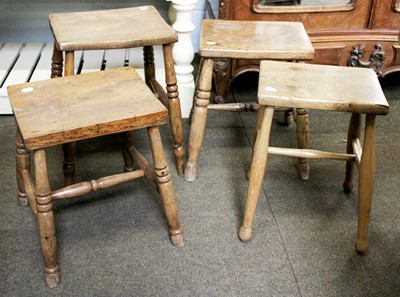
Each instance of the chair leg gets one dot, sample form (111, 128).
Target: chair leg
(69, 162)
(222, 74)
(45, 220)
(127, 142)
(257, 170)
(366, 184)
(22, 161)
(259, 119)
(174, 108)
(69, 148)
(167, 193)
(199, 117)
(302, 130)
(353, 133)
(149, 67)
(56, 63)
(288, 117)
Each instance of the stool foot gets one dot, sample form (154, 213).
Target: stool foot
(22, 199)
(361, 247)
(245, 233)
(177, 238)
(179, 152)
(52, 277)
(348, 187)
(190, 172)
(304, 169)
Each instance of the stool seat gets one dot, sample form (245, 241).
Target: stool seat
(320, 87)
(95, 104)
(255, 40)
(110, 29)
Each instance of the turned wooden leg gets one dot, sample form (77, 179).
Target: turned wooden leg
(57, 63)
(69, 148)
(222, 74)
(174, 108)
(302, 125)
(257, 170)
(199, 118)
(45, 220)
(353, 133)
(69, 162)
(22, 161)
(289, 116)
(127, 142)
(366, 184)
(149, 67)
(167, 193)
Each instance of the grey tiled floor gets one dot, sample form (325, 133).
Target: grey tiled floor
(115, 243)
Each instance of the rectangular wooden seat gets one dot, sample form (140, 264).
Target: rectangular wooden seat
(255, 40)
(72, 108)
(321, 87)
(110, 29)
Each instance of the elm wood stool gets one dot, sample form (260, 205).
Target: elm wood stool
(73, 108)
(250, 40)
(330, 88)
(117, 29)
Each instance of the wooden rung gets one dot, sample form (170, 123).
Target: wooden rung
(310, 154)
(159, 92)
(97, 184)
(357, 148)
(144, 165)
(251, 106)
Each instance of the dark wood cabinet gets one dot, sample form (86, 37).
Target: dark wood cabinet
(361, 33)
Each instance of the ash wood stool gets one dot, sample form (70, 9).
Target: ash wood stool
(68, 109)
(117, 29)
(255, 40)
(330, 88)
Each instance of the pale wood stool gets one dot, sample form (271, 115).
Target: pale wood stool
(330, 88)
(221, 39)
(117, 29)
(68, 109)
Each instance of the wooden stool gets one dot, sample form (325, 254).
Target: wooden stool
(73, 108)
(239, 40)
(329, 88)
(116, 29)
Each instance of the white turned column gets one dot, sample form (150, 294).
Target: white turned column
(180, 15)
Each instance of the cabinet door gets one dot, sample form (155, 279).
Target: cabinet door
(314, 14)
(385, 14)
